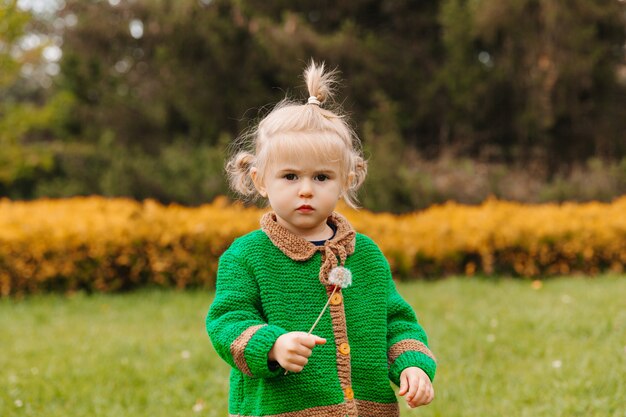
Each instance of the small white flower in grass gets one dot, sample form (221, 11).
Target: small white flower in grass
(340, 276)
(491, 338)
(198, 406)
(185, 354)
(557, 364)
(18, 403)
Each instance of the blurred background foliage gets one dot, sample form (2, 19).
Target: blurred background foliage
(453, 99)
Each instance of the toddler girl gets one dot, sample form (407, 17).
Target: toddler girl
(306, 260)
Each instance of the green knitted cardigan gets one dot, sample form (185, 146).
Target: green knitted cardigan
(270, 282)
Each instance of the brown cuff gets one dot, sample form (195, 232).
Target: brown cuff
(238, 347)
(407, 345)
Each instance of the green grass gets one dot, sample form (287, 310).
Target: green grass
(504, 349)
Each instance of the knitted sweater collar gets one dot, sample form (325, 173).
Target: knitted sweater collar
(334, 251)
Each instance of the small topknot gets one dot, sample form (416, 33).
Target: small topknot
(320, 84)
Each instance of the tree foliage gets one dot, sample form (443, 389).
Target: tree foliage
(517, 76)
(509, 82)
(21, 161)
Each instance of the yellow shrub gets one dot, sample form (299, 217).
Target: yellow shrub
(99, 244)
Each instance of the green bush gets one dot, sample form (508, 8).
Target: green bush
(179, 172)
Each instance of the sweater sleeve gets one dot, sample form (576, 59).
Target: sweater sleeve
(407, 343)
(235, 322)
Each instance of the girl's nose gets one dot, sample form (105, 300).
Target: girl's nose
(305, 189)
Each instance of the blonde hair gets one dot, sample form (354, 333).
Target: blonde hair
(299, 130)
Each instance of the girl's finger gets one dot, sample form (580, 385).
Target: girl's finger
(431, 395)
(413, 387)
(295, 368)
(319, 340)
(298, 360)
(303, 351)
(422, 394)
(425, 397)
(403, 384)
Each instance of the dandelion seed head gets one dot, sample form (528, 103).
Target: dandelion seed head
(340, 276)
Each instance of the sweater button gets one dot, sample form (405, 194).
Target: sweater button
(344, 348)
(349, 393)
(335, 299)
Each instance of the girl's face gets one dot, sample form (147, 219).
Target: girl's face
(303, 194)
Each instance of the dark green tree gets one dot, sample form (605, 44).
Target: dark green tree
(24, 121)
(535, 78)
(146, 85)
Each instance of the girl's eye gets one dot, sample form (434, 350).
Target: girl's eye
(290, 177)
(321, 177)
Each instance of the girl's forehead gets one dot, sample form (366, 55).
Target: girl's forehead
(305, 149)
(305, 165)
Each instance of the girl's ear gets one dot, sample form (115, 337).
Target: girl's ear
(351, 178)
(348, 185)
(254, 174)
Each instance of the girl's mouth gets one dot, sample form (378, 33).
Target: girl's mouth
(305, 208)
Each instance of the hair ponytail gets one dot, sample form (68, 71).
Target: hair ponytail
(360, 172)
(320, 84)
(238, 170)
(358, 177)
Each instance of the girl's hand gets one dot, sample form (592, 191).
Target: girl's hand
(293, 350)
(415, 384)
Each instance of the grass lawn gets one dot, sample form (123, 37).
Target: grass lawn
(504, 349)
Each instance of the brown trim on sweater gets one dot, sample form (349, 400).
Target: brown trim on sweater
(323, 411)
(344, 369)
(405, 346)
(372, 409)
(365, 409)
(238, 348)
(334, 251)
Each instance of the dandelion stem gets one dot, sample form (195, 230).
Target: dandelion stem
(323, 310)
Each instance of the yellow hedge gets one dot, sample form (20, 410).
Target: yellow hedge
(99, 244)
